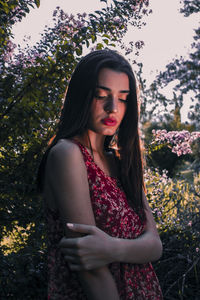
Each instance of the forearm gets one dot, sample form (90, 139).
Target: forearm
(99, 284)
(144, 249)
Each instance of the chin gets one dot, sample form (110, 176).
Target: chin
(109, 131)
(104, 131)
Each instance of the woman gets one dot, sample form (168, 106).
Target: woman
(92, 179)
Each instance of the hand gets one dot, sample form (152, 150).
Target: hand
(89, 252)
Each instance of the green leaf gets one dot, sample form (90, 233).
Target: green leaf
(6, 10)
(99, 46)
(106, 41)
(99, 12)
(87, 43)
(112, 45)
(93, 16)
(78, 51)
(93, 37)
(106, 35)
(37, 2)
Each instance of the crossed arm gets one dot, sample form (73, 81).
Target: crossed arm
(86, 248)
(66, 180)
(98, 249)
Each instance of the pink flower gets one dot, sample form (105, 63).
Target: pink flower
(179, 141)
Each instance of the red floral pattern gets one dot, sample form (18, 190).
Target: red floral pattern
(114, 216)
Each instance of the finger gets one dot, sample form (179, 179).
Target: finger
(82, 228)
(67, 251)
(70, 259)
(70, 252)
(75, 267)
(79, 267)
(69, 242)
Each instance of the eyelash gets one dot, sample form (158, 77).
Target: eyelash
(104, 97)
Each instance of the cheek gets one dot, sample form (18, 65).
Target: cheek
(96, 108)
(95, 111)
(123, 110)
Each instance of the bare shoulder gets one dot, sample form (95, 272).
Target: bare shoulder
(65, 150)
(65, 156)
(67, 183)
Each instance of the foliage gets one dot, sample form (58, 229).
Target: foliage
(182, 73)
(23, 274)
(179, 141)
(169, 137)
(154, 105)
(176, 208)
(190, 7)
(185, 71)
(11, 12)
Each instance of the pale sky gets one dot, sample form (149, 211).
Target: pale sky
(167, 34)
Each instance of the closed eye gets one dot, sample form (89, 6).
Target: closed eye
(125, 98)
(101, 94)
(101, 97)
(107, 98)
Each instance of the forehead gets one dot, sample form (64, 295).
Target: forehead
(113, 79)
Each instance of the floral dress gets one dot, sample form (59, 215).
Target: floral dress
(114, 216)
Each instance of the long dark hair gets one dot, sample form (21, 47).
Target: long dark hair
(75, 115)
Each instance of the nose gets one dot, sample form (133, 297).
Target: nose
(111, 105)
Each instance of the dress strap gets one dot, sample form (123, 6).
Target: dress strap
(86, 155)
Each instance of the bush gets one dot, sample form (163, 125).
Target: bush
(176, 208)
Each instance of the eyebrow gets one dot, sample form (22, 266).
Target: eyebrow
(107, 89)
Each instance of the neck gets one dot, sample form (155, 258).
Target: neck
(93, 141)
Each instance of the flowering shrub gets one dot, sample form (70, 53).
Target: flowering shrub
(176, 208)
(179, 141)
(12, 12)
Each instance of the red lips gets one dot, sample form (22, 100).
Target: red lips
(109, 121)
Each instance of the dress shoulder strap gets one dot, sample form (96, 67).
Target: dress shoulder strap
(86, 155)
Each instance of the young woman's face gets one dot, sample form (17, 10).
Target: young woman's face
(110, 101)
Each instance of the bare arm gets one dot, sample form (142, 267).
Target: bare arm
(66, 176)
(145, 248)
(99, 249)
